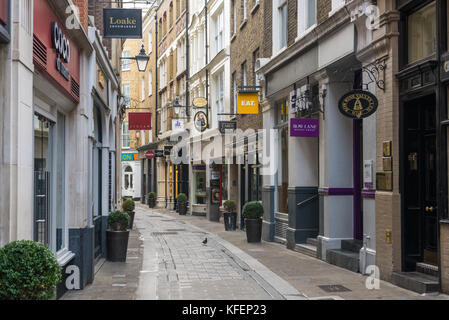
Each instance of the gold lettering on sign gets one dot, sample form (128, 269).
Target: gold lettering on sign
(123, 21)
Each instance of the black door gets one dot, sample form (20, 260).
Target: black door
(419, 163)
(242, 194)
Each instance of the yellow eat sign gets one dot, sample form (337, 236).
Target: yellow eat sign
(248, 103)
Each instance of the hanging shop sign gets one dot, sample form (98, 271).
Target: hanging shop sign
(200, 102)
(224, 126)
(200, 121)
(139, 121)
(149, 154)
(130, 157)
(158, 153)
(177, 125)
(308, 128)
(122, 23)
(358, 104)
(248, 103)
(167, 150)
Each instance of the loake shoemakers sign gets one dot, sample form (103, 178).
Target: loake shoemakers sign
(122, 23)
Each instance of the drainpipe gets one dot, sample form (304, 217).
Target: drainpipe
(366, 238)
(206, 37)
(187, 60)
(157, 84)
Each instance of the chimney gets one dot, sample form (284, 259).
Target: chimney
(83, 7)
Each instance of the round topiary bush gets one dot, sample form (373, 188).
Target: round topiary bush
(182, 198)
(28, 271)
(253, 210)
(128, 205)
(118, 220)
(152, 195)
(229, 205)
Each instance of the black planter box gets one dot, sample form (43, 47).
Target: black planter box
(117, 245)
(151, 203)
(230, 221)
(131, 219)
(182, 208)
(253, 230)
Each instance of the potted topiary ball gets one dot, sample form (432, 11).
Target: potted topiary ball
(117, 236)
(152, 200)
(253, 212)
(28, 271)
(230, 216)
(182, 204)
(128, 206)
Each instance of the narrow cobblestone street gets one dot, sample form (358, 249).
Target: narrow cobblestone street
(167, 260)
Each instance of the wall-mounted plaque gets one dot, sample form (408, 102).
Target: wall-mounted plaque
(387, 148)
(384, 181)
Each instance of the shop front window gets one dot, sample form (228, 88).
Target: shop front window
(43, 130)
(199, 186)
(422, 33)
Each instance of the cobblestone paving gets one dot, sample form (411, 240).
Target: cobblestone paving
(188, 269)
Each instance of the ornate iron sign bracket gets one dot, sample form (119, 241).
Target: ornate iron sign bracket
(376, 74)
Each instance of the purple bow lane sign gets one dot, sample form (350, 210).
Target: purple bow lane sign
(307, 128)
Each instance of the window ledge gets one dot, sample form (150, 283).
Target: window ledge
(254, 9)
(65, 257)
(305, 33)
(234, 36)
(243, 24)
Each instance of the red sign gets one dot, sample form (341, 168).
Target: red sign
(54, 51)
(4, 11)
(149, 154)
(139, 121)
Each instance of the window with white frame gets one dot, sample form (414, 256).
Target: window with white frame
(234, 89)
(150, 83)
(218, 32)
(125, 136)
(150, 42)
(282, 22)
(142, 89)
(244, 74)
(306, 15)
(219, 94)
(337, 4)
(126, 89)
(244, 7)
(126, 63)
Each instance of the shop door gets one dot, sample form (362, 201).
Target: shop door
(420, 183)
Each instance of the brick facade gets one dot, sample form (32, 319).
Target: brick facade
(96, 10)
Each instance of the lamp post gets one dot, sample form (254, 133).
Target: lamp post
(142, 59)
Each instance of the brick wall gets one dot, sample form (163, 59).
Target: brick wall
(292, 21)
(96, 10)
(267, 28)
(247, 40)
(323, 9)
(83, 12)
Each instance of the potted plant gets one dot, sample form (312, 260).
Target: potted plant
(128, 206)
(182, 204)
(152, 200)
(253, 212)
(230, 216)
(117, 236)
(28, 271)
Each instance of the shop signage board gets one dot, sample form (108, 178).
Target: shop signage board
(248, 103)
(223, 126)
(4, 12)
(358, 104)
(177, 125)
(130, 157)
(122, 23)
(200, 121)
(200, 102)
(167, 150)
(307, 128)
(139, 121)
